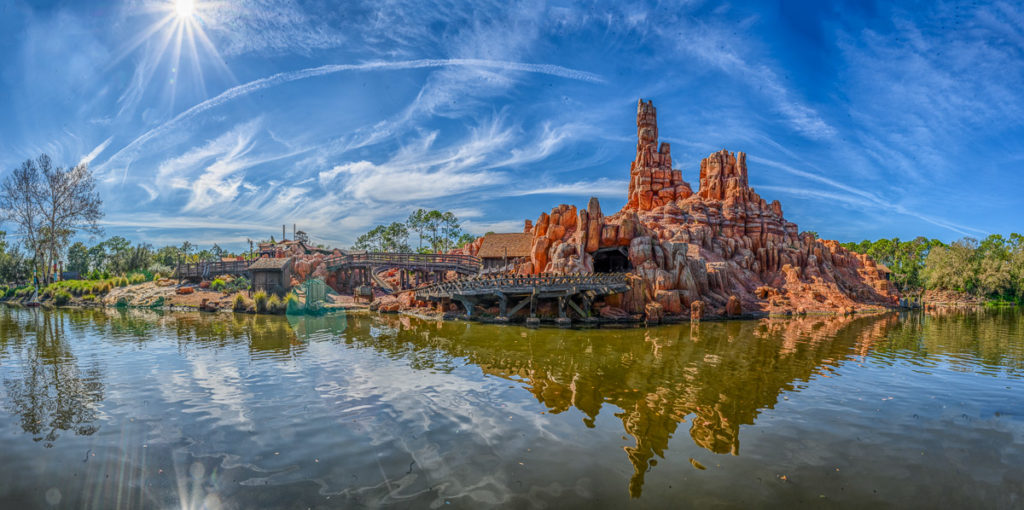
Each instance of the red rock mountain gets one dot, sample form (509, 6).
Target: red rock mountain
(721, 251)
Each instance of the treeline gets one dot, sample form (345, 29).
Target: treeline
(112, 257)
(435, 231)
(992, 267)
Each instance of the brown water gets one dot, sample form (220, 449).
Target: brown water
(135, 409)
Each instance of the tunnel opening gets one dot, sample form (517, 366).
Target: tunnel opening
(611, 260)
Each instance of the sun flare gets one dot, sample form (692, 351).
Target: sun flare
(184, 8)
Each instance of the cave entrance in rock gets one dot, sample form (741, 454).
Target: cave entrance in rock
(611, 260)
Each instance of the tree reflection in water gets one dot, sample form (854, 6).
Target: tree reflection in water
(53, 392)
(716, 376)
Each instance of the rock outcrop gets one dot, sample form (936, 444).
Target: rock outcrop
(723, 246)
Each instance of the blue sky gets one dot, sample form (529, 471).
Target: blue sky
(220, 124)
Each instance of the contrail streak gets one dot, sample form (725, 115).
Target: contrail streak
(290, 76)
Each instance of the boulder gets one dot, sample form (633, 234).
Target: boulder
(653, 312)
(733, 308)
(697, 310)
(669, 301)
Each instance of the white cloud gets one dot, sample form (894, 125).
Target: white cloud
(95, 152)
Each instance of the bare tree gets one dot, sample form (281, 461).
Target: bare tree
(50, 204)
(18, 201)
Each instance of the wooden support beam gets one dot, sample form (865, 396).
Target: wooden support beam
(561, 306)
(519, 306)
(577, 308)
(467, 304)
(502, 304)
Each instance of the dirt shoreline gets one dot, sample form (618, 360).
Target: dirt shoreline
(166, 297)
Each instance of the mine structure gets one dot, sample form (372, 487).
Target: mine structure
(669, 254)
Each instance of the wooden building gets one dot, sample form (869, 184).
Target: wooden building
(499, 251)
(272, 275)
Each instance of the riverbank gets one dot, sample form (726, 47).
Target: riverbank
(167, 294)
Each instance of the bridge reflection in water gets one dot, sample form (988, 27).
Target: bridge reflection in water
(716, 377)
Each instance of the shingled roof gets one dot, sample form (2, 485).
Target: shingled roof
(270, 264)
(496, 246)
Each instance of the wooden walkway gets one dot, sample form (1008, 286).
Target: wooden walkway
(463, 264)
(413, 268)
(527, 290)
(208, 270)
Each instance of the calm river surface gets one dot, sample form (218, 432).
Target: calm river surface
(138, 409)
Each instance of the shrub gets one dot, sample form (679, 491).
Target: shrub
(122, 282)
(238, 284)
(260, 298)
(137, 278)
(61, 298)
(157, 276)
(240, 304)
(274, 305)
(291, 302)
(89, 297)
(218, 284)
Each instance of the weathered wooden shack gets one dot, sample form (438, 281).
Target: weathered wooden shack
(272, 275)
(500, 251)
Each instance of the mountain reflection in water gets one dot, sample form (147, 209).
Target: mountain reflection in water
(716, 376)
(146, 388)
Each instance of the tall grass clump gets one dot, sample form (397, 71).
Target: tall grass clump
(260, 297)
(218, 285)
(275, 305)
(240, 304)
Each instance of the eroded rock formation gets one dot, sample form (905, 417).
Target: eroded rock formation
(723, 245)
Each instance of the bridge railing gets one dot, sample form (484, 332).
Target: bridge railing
(498, 282)
(207, 269)
(404, 259)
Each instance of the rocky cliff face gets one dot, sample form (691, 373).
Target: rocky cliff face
(724, 248)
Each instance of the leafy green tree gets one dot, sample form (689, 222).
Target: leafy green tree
(78, 258)
(465, 239)
(167, 256)
(395, 238)
(432, 223)
(417, 222)
(98, 257)
(952, 267)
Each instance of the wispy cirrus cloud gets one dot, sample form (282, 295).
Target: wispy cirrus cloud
(125, 155)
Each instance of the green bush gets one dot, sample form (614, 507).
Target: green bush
(89, 297)
(157, 276)
(218, 284)
(238, 284)
(137, 278)
(122, 282)
(260, 297)
(61, 298)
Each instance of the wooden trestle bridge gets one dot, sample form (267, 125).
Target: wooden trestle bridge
(515, 292)
(426, 274)
(413, 268)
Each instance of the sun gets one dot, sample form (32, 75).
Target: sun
(184, 8)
